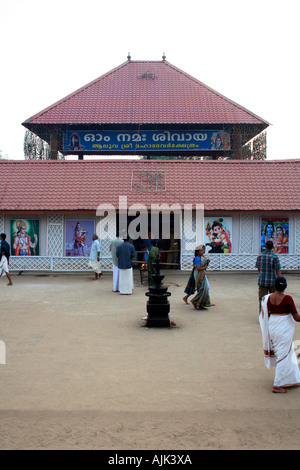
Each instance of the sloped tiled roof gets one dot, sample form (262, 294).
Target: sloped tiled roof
(145, 92)
(84, 185)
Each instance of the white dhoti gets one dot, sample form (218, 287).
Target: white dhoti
(95, 266)
(278, 334)
(116, 278)
(126, 281)
(3, 266)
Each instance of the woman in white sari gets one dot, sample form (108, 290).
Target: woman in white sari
(277, 321)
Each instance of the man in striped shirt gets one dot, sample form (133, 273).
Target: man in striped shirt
(269, 268)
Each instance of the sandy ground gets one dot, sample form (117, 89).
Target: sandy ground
(83, 372)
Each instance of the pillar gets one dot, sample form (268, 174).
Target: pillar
(53, 146)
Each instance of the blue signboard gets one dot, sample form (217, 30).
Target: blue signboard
(116, 141)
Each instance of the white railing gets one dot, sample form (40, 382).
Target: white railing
(240, 262)
(218, 262)
(54, 263)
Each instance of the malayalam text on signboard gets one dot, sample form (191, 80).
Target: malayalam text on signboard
(112, 141)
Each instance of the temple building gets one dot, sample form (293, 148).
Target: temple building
(152, 110)
(56, 198)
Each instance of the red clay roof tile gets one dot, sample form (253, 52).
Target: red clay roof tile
(220, 185)
(123, 96)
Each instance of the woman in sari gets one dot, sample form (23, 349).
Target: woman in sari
(277, 322)
(152, 255)
(202, 298)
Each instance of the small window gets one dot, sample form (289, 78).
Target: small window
(148, 181)
(147, 75)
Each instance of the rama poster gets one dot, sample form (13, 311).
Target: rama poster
(217, 234)
(78, 239)
(24, 237)
(275, 229)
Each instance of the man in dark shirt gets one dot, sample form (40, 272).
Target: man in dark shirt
(4, 247)
(4, 258)
(269, 268)
(125, 253)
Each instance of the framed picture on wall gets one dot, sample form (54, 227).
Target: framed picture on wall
(78, 237)
(24, 237)
(277, 230)
(217, 234)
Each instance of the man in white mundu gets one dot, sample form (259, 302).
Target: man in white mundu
(125, 253)
(94, 262)
(116, 272)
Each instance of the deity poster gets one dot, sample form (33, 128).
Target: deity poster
(78, 237)
(24, 237)
(218, 234)
(275, 229)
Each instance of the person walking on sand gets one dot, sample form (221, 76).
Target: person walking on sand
(269, 268)
(116, 272)
(202, 298)
(277, 321)
(4, 268)
(94, 262)
(126, 253)
(4, 246)
(4, 258)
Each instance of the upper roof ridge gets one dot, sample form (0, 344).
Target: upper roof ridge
(100, 101)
